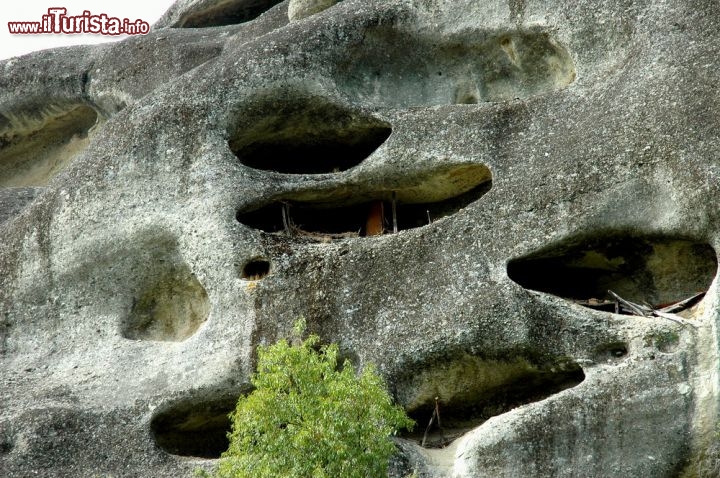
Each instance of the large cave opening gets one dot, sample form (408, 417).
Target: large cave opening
(196, 428)
(466, 391)
(305, 135)
(647, 270)
(370, 218)
(229, 12)
(313, 152)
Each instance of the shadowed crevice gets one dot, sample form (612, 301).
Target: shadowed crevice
(370, 218)
(228, 12)
(306, 135)
(194, 427)
(256, 269)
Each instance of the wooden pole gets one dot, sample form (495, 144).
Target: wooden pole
(394, 212)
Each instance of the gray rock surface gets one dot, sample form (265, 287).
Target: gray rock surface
(171, 201)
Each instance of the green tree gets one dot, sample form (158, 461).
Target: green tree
(307, 417)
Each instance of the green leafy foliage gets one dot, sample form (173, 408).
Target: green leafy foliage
(307, 417)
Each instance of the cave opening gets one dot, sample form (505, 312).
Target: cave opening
(611, 351)
(194, 428)
(313, 152)
(228, 13)
(304, 134)
(469, 390)
(256, 269)
(657, 271)
(371, 218)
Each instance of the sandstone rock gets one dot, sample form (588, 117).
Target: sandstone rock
(169, 202)
(299, 9)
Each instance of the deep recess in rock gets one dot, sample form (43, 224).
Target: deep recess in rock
(195, 428)
(473, 389)
(653, 270)
(7, 442)
(42, 143)
(170, 307)
(256, 269)
(307, 136)
(227, 13)
(612, 351)
(460, 69)
(364, 219)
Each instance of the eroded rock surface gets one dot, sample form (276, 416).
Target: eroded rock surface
(445, 188)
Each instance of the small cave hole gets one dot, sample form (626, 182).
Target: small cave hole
(227, 13)
(467, 100)
(256, 269)
(469, 390)
(6, 447)
(612, 351)
(655, 271)
(194, 428)
(7, 442)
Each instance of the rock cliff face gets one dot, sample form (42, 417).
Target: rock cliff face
(171, 201)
